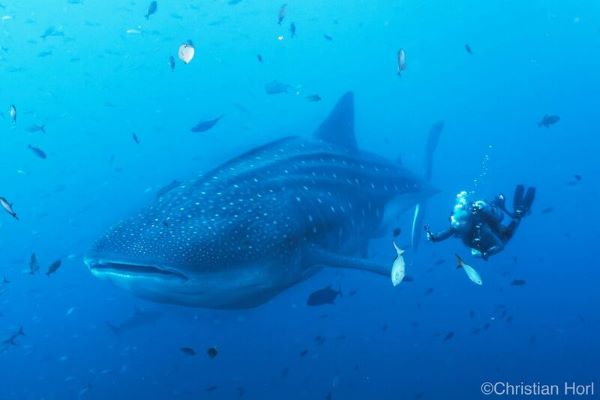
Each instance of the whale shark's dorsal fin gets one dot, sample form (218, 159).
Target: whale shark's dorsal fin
(338, 127)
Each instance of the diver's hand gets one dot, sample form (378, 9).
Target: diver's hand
(428, 233)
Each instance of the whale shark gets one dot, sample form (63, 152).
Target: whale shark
(261, 222)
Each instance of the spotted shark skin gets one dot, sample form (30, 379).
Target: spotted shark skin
(261, 222)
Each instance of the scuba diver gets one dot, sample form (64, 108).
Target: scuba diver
(479, 223)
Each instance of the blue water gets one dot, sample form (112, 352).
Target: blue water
(93, 84)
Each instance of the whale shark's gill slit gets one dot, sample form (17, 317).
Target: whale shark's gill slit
(138, 269)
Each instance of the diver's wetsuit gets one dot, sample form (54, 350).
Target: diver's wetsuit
(484, 231)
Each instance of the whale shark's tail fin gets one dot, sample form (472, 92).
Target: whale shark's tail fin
(420, 209)
(338, 127)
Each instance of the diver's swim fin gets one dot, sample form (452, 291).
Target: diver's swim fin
(518, 197)
(528, 199)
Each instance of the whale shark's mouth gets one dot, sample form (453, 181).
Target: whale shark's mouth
(126, 269)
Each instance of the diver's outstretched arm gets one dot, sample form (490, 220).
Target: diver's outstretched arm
(438, 237)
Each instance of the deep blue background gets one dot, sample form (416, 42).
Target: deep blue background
(100, 84)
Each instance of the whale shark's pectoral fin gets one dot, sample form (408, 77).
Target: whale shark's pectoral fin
(318, 256)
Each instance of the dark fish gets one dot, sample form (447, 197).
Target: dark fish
(323, 296)
(234, 2)
(53, 267)
(212, 352)
(38, 152)
(476, 331)
(284, 373)
(439, 262)
(577, 177)
(448, 336)
(151, 9)
(471, 314)
(135, 138)
(468, 48)
(259, 58)
(12, 338)
(37, 128)
(34, 265)
(204, 126)
(328, 396)
(327, 37)
(352, 292)
(188, 351)
(292, 29)
(428, 291)
(548, 120)
(172, 63)
(509, 319)
(276, 87)
(313, 98)
(319, 339)
(212, 388)
(396, 232)
(547, 210)
(8, 207)
(167, 188)
(281, 15)
(518, 282)
(487, 325)
(303, 353)
(43, 54)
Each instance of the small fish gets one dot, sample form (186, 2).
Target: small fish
(303, 353)
(212, 352)
(188, 351)
(43, 54)
(548, 120)
(204, 126)
(12, 113)
(276, 87)
(38, 152)
(518, 282)
(52, 31)
(401, 60)
(234, 2)
(8, 207)
(327, 37)
(37, 128)
(211, 388)
(133, 31)
(12, 338)
(172, 63)
(320, 297)
(259, 58)
(396, 232)
(428, 291)
(53, 267)
(470, 271)
(135, 138)
(34, 265)
(282, 13)
(399, 266)
(547, 210)
(313, 98)
(448, 336)
(152, 8)
(292, 29)
(186, 52)
(468, 48)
